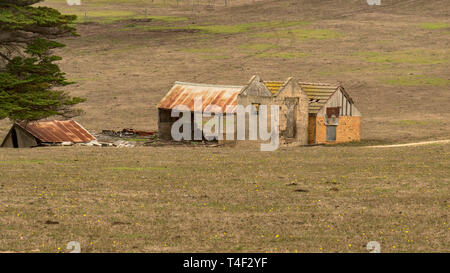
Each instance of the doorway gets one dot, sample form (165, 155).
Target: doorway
(14, 138)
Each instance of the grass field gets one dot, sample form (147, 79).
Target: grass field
(392, 59)
(166, 199)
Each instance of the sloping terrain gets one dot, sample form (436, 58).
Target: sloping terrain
(393, 59)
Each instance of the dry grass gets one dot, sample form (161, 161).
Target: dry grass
(318, 199)
(392, 59)
(393, 66)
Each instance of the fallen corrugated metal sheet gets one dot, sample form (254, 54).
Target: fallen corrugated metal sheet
(318, 94)
(57, 131)
(185, 94)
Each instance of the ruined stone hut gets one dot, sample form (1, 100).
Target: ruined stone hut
(293, 102)
(310, 113)
(287, 94)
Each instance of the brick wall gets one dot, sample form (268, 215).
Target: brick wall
(348, 129)
(321, 130)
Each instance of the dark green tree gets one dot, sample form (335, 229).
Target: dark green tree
(29, 78)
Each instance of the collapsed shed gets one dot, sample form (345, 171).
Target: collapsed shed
(183, 93)
(32, 134)
(333, 116)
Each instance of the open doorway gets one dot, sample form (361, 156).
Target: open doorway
(14, 138)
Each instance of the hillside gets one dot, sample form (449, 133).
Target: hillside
(393, 59)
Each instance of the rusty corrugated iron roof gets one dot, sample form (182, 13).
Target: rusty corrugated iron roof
(183, 93)
(56, 131)
(318, 94)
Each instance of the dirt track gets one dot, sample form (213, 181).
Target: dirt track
(412, 144)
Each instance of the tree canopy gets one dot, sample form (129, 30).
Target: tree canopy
(28, 74)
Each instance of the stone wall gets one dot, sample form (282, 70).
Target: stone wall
(290, 97)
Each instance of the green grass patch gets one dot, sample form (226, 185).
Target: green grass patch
(221, 29)
(407, 56)
(111, 16)
(19, 162)
(168, 19)
(417, 81)
(300, 34)
(411, 122)
(240, 28)
(435, 25)
(225, 29)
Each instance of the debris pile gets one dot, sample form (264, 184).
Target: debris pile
(126, 138)
(70, 133)
(128, 133)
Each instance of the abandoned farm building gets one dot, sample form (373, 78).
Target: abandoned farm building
(310, 113)
(333, 117)
(287, 94)
(38, 133)
(183, 93)
(293, 102)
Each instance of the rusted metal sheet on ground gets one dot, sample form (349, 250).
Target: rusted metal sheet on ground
(186, 93)
(57, 131)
